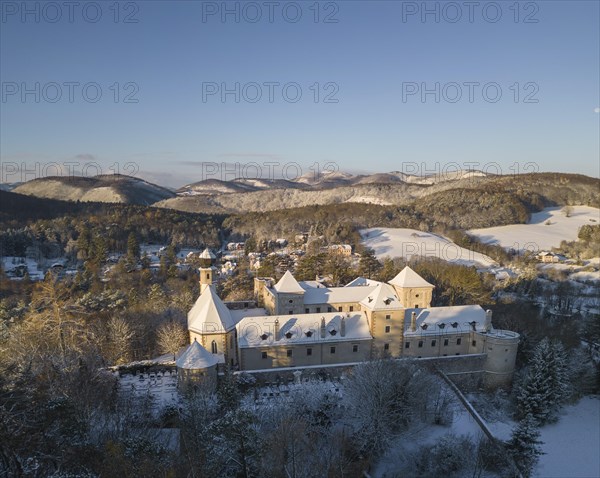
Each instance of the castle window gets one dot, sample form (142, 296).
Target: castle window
(213, 347)
(332, 350)
(441, 325)
(454, 324)
(445, 342)
(207, 275)
(351, 308)
(424, 326)
(340, 308)
(291, 301)
(308, 351)
(386, 346)
(458, 341)
(474, 343)
(289, 352)
(388, 317)
(417, 296)
(420, 343)
(309, 333)
(416, 306)
(329, 309)
(407, 345)
(318, 309)
(355, 348)
(387, 329)
(263, 337)
(433, 342)
(290, 312)
(263, 355)
(333, 332)
(289, 335)
(307, 310)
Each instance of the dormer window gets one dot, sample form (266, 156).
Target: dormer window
(289, 335)
(387, 301)
(424, 326)
(264, 336)
(370, 299)
(333, 332)
(309, 333)
(454, 324)
(441, 325)
(473, 324)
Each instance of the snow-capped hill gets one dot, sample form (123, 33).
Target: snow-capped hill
(103, 188)
(314, 178)
(545, 229)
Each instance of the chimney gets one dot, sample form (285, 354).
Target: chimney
(323, 329)
(413, 321)
(343, 327)
(488, 320)
(276, 329)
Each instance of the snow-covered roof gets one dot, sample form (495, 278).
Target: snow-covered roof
(288, 284)
(209, 314)
(362, 281)
(239, 314)
(301, 329)
(383, 297)
(196, 357)
(409, 278)
(334, 295)
(446, 320)
(206, 254)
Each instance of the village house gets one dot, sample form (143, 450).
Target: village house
(305, 324)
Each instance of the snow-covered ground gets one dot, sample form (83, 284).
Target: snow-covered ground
(410, 243)
(10, 264)
(537, 235)
(572, 445)
(160, 386)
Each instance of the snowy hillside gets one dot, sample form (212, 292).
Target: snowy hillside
(545, 230)
(409, 243)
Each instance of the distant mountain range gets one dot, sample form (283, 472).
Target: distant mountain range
(259, 195)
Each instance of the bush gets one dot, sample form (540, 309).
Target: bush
(451, 456)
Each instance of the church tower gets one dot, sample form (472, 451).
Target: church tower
(207, 270)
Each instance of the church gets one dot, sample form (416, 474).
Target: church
(300, 324)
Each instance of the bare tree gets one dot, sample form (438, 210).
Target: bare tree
(170, 337)
(119, 340)
(567, 211)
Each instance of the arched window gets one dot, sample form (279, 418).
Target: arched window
(213, 347)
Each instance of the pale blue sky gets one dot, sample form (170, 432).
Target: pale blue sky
(367, 55)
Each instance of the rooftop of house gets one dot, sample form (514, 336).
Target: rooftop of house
(301, 329)
(446, 320)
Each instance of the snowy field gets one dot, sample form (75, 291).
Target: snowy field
(572, 445)
(536, 235)
(410, 243)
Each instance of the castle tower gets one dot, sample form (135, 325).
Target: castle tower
(412, 290)
(207, 269)
(386, 320)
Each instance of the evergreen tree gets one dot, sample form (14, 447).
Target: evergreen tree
(525, 446)
(369, 266)
(546, 385)
(228, 392)
(133, 248)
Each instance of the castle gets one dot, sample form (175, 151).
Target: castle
(305, 324)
